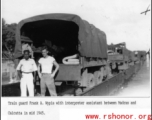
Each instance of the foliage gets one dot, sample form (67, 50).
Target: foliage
(8, 36)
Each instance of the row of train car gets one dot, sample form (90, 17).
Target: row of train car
(88, 66)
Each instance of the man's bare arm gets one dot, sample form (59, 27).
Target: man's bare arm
(19, 69)
(34, 70)
(39, 72)
(56, 68)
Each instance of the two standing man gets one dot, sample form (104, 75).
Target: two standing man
(27, 67)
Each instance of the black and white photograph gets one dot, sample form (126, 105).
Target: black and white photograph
(56, 48)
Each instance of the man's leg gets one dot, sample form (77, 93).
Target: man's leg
(30, 85)
(23, 86)
(42, 85)
(51, 86)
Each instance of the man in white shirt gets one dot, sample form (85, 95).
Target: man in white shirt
(46, 74)
(25, 69)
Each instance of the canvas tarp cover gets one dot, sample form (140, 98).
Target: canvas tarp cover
(126, 52)
(92, 41)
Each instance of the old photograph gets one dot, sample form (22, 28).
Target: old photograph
(76, 48)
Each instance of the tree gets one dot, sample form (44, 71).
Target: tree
(8, 35)
(4, 31)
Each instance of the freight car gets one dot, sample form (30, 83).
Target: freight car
(85, 59)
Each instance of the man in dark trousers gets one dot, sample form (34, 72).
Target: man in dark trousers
(46, 73)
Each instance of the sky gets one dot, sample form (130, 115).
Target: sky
(119, 19)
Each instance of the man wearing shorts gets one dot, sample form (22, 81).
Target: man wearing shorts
(46, 73)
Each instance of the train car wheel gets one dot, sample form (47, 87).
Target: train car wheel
(91, 80)
(84, 79)
(97, 77)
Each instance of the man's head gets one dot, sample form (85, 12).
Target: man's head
(44, 51)
(26, 54)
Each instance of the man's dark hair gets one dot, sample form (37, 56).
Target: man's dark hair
(26, 51)
(44, 48)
